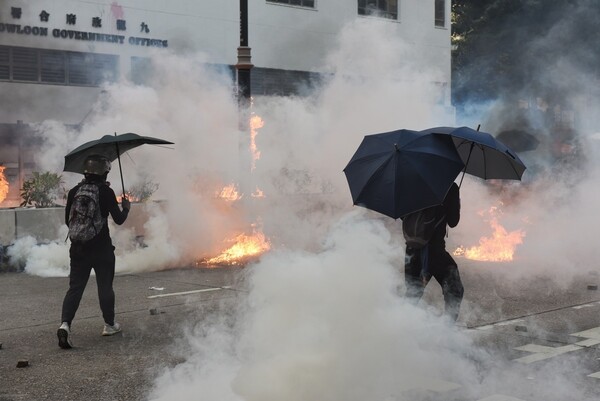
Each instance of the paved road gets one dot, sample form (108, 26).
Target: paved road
(92, 370)
(541, 340)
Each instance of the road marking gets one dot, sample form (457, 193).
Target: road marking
(541, 352)
(173, 294)
(592, 337)
(586, 305)
(499, 397)
(503, 323)
(595, 375)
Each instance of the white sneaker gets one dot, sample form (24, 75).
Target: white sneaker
(63, 333)
(111, 330)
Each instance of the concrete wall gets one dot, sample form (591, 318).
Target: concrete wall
(44, 224)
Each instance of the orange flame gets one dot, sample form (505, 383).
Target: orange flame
(3, 185)
(245, 247)
(255, 124)
(500, 247)
(258, 193)
(229, 193)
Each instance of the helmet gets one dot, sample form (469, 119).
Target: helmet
(96, 164)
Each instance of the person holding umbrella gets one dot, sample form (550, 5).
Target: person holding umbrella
(89, 204)
(411, 175)
(432, 260)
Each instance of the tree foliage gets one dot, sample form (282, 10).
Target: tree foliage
(42, 190)
(507, 47)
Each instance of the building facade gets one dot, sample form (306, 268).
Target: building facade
(66, 49)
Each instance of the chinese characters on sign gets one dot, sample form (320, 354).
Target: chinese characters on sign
(121, 25)
(71, 19)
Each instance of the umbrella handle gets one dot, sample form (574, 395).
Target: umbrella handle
(467, 163)
(120, 169)
(469, 157)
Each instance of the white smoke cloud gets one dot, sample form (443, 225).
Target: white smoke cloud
(322, 308)
(45, 260)
(314, 322)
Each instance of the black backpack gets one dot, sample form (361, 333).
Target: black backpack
(418, 227)
(85, 218)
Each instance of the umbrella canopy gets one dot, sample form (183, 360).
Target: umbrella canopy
(110, 146)
(518, 140)
(399, 172)
(483, 155)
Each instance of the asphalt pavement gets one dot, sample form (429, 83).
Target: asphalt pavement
(534, 330)
(119, 367)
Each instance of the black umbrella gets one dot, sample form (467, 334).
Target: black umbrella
(519, 140)
(399, 172)
(483, 155)
(110, 146)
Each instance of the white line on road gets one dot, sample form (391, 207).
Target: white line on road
(595, 375)
(173, 294)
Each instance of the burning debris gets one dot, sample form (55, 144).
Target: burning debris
(3, 185)
(258, 193)
(255, 124)
(229, 193)
(245, 247)
(500, 247)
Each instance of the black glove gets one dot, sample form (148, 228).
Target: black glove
(125, 203)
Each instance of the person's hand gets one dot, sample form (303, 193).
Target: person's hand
(125, 203)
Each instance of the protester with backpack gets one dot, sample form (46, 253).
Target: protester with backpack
(89, 204)
(426, 255)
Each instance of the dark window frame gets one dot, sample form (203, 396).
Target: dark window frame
(379, 8)
(440, 13)
(56, 67)
(296, 3)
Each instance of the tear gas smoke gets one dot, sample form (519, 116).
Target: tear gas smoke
(314, 322)
(323, 309)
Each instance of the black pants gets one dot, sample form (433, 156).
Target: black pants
(82, 263)
(443, 268)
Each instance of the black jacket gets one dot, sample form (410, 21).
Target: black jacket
(451, 210)
(108, 205)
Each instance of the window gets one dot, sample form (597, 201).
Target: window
(52, 66)
(141, 70)
(4, 63)
(379, 8)
(301, 3)
(440, 13)
(56, 66)
(25, 64)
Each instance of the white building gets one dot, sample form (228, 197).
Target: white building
(66, 48)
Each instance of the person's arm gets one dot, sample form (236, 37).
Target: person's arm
(109, 199)
(70, 197)
(452, 206)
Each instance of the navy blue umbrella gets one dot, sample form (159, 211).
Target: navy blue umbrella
(483, 155)
(399, 172)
